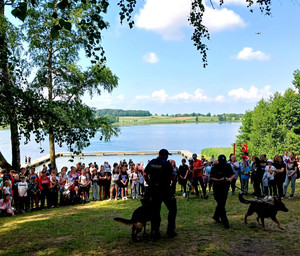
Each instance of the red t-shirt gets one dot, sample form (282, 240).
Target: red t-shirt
(196, 164)
(44, 183)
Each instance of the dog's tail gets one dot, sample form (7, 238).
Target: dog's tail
(243, 200)
(124, 221)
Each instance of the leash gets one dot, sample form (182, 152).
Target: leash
(247, 194)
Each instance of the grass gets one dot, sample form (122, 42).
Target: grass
(216, 151)
(143, 120)
(90, 230)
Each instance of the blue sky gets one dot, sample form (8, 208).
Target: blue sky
(160, 70)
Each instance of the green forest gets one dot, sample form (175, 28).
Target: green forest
(273, 126)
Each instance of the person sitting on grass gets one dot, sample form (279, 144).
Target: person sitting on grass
(5, 206)
(76, 196)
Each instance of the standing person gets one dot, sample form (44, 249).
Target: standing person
(123, 181)
(279, 175)
(83, 182)
(44, 185)
(158, 174)
(285, 157)
(53, 193)
(245, 175)
(102, 183)
(62, 180)
(174, 175)
(222, 175)
(107, 172)
(23, 195)
(33, 191)
(235, 168)
(115, 183)
(183, 172)
(134, 184)
(95, 187)
(207, 180)
(271, 184)
(257, 174)
(291, 174)
(198, 176)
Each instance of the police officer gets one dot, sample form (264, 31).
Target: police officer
(221, 175)
(158, 174)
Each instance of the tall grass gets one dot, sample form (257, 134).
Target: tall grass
(216, 151)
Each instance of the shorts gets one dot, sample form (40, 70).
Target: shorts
(83, 188)
(114, 185)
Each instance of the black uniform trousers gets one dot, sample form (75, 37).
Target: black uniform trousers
(220, 195)
(168, 198)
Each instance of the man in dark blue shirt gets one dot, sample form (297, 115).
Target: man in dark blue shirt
(158, 174)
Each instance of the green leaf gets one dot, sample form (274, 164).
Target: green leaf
(54, 33)
(68, 26)
(63, 4)
(20, 11)
(62, 22)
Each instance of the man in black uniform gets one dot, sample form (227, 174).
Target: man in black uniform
(158, 174)
(221, 175)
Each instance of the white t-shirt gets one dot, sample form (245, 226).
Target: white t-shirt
(270, 176)
(22, 187)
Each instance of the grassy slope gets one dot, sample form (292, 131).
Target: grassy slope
(163, 120)
(208, 152)
(90, 230)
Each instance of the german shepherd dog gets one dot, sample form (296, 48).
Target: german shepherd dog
(264, 210)
(139, 218)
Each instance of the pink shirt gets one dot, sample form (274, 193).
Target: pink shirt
(6, 206)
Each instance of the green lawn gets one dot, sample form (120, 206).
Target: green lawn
(164, 120)
(90, 230)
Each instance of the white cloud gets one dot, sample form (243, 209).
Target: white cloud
(169, 17)
(253, 94)
(220, 98)
(248, 54)
(163, 97)
(221, 19)
(150, 57)
(160, 95)
(120, 97)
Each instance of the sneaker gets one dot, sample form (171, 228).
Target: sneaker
(126, 198)
(266, 197)
(184, 194)
(116, 199)
(291, 197)
(282, 198)
(133, 197)
(109, 199)
(270, 197)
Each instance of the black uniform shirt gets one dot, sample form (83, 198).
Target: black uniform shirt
(220, 171)
(159, 173)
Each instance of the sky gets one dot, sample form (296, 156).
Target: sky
(250, 57)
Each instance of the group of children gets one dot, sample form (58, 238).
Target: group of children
(28, 190)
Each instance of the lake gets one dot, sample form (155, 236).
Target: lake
(193, 137)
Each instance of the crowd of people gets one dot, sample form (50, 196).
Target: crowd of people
(28, 190)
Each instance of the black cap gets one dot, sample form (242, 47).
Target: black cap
(222, 159)
(195, 155)
(164, 152)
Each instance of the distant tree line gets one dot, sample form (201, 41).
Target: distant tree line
(121, 112)
(230, 117)
(274, 125)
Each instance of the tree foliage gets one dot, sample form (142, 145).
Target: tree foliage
(274, 125)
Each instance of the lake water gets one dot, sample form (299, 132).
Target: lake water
(193, 137)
